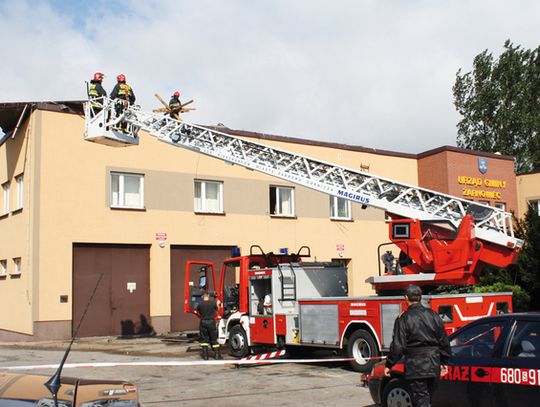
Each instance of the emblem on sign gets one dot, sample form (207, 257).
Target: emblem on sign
(482, 165)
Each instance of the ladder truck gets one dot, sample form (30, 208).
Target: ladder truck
(279, 300)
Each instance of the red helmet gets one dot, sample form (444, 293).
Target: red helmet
(98, 76)
(176, 94)
(121, 78)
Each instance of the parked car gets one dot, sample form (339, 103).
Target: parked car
(22, 390)
(495, 362)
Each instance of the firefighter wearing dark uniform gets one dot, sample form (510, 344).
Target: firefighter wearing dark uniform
(207, 310)
(175, 105)
(420, 337)
(96, 93)
(122, 94)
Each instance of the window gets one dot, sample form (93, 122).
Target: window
(16, 265)
(208, 196)
(535, 205)
(3, 267)
(20, 191)
(500, 205)
(526, 340)
(127, 190)
(5, 188)
(281, 201)
(478, 340)
(340, 208)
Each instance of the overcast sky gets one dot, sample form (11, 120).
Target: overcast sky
(370, 73)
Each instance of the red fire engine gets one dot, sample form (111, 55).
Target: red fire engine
(279, 300)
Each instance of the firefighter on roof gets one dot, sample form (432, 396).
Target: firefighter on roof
(207, 310)
(175, 105)
(96, 93)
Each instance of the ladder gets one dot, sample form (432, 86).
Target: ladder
(287, 278)
(492, 224)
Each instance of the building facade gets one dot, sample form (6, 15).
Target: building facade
(75, 213)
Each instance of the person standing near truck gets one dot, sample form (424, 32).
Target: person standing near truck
(419, 335)
(207, 310)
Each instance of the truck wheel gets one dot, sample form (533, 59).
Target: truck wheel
(238, 342)
(396, 393)
(362, 347)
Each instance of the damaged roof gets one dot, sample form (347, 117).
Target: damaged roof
(10, 117)
(14, 113)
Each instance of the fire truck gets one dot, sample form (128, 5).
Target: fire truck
(280, 300)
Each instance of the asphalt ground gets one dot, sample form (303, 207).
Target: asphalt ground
(291, 384)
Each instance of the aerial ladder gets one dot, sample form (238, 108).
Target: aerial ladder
(444, 240)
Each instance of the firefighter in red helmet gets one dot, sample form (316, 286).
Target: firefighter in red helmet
(122, 94)
(175, 105)
(96, 93)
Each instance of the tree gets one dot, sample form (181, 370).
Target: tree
(499, 101)
(528, 267)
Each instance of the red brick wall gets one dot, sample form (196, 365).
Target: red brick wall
(440, 172)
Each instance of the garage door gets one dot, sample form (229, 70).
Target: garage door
(180, 321)
(121, 305)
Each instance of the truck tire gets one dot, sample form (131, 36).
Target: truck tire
(396, 393)
(238, 342)
(362, 347)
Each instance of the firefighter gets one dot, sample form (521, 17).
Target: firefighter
(122, 94)
(175, 105)
(419, 335)
(96, 93)
(388, 261)
(207, 310)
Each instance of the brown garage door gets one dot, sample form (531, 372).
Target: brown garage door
(180, 321)
(121, 305)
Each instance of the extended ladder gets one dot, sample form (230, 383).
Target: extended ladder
(492, 224)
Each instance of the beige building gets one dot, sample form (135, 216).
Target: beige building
(76, 212)
(528, 192)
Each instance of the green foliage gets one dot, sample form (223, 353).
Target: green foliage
(500, 105)
(520, 298)
(528, 267)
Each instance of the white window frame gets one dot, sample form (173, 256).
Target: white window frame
(500, 205)
(203, 207)
(5, 189)
(3, 267)
(121, 190)
(334, 208)
(20, 191)
(17, 267)
(535, 203)
(276, 211)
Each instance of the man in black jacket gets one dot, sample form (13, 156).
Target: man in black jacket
(419, 335)
(96, 93)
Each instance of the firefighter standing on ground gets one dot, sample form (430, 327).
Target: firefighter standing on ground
(96, 93)
(207, 310)
(419, 335)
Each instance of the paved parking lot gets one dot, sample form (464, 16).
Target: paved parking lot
(226, 385)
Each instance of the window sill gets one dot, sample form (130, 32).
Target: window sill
(210, 213)
(15, 275)
(16, 211)
(4, 215)
(341, 220)
(3, 276)
(127, 208)
(283, 217)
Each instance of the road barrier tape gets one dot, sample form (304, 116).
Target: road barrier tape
(265, 356)
(234, 362)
